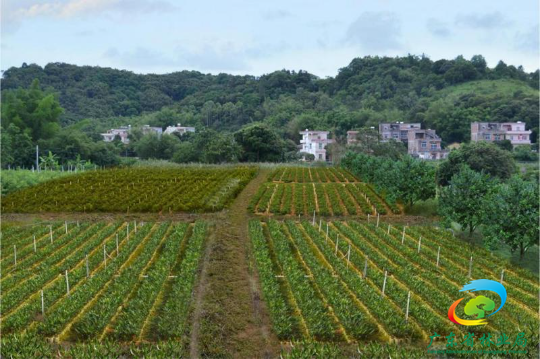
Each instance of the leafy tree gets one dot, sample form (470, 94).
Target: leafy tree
(415, 180)
(259, 144)
(464, 199)
(478, 156)
(512, 217)
(17, 148)
(524, 153)
(504, 145)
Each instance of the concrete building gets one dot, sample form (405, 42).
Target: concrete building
(396, 131)
(146, 129)
(122, 132)
(178, 129)
(314, 142)
(491, 131)
(425, 144)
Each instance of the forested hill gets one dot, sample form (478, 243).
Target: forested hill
(445, 95)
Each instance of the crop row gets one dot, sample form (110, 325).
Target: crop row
(325, 288)
(119, 284)
(326, 199)
(134, 190)
(311, 174)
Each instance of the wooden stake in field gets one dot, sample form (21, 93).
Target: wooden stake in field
(407, 310)
(388, 230)
(502, 276)
(15, 254)
(368, 218)
(378, 215)
(320, 223)
(65, 225)
(127, 231)
(365, 268)
(135, 225)
(35, 249)
(438, 255)
(403, 236)
(42, 304)
(50, 233)
(419, 243)
(87, 268)
(104, 256)
(384, 283)
(470, 267)
(77, 223)
(116, 244)
(337, 241)
(313, 222)
(67, 282)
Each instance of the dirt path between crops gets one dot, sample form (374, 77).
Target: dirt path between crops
(230, 319)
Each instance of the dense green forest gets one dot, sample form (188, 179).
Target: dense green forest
(63, 107)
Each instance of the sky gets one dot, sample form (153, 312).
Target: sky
(258, 37)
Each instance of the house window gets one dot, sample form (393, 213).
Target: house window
(395, 135)
(423, 144)
(497, 137)
(511, 137)
(433, 146)
(320, 156)
(320, 146)
(487, 137)
(310, 146)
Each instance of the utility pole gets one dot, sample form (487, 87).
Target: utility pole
(37, 158)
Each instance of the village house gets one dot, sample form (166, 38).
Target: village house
(122, 133)
(490, 131)
(314, 142)
(397, 131)
(425, 144)
(178, 129)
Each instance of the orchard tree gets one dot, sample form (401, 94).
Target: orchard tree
(512, 216)
(259, 143)
(464, 199)
(415, 180)
(480, 157)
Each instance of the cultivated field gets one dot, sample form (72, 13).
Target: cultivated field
(324, 191)
(327, 284)
(124, 282)
(133, 190)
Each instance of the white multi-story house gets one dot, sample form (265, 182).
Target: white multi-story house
(490, 131)
(122, 132)
(314, 142)
(178, 129)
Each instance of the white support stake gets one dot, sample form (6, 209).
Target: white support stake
(65, 225)
(403, 236)
(470, 267)
(117, 244)
(368, 218)
(419, 243)
(127, 231)
(87, 268)
(388, 230)
(313, 222)
(320, 223)
(384, 284)
(77, 223)
(67, 282)
(42, 304)
(407, 311)
(50, 233)
(35, 249)
(378, 216)
(326, 231)
(502, 275)
(438, 255)
(15, 254)
(135, 225)
(337, 241)
(104, 256)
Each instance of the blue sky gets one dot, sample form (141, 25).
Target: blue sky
(257, 37)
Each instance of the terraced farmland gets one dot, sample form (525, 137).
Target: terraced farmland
(325, 191)
(132, 190)
(349, 282)
(127, 282)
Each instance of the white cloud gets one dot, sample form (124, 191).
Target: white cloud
(438, 28)
(376, 31)
(528, 41)
(492, 20)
